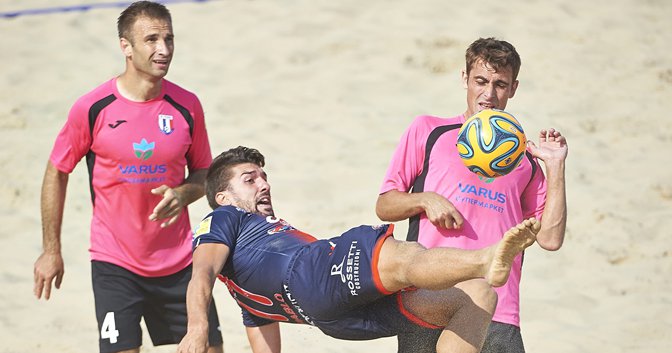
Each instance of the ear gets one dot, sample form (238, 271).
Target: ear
(465, 78)
(514, 87)
(221, 198)
(126, 47)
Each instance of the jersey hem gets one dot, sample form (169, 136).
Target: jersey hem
(165, 272)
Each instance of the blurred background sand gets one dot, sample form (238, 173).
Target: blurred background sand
(325, 89)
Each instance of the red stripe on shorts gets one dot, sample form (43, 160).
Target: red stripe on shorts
(376, 257)
(416, 320)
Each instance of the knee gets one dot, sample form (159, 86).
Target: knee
(480, 293)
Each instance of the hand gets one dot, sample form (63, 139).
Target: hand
(48, 267)
(194, 342)
(441, 212)
(169, 207)
(552, 146)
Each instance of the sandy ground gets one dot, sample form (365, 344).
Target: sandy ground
(325, 90)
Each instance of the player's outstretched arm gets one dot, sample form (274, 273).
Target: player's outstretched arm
(264, 339)
(175, 199)
(49, 266)
(394, 206)
(552, 150)
(208, 260)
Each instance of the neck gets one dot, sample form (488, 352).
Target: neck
(137, 88)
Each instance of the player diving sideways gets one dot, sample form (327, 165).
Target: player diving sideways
(361, 285)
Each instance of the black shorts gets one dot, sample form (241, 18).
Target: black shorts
(122, 298)
(503, 338)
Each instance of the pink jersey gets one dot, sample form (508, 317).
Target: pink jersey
(131, 148)
(426, 159)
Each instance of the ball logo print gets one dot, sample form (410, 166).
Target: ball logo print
(491, 143)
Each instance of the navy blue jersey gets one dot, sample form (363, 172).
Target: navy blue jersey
(261, 249)
(277, 273)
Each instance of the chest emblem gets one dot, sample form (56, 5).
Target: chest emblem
(486, 179)
(144, 149)
(166, 123)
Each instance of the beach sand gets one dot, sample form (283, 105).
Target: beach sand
(325, 89)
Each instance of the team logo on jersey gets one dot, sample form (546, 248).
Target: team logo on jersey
(166, 123)
(203, 227)
(281, 226)
(117, 123)
(486, 180)
(144, 149)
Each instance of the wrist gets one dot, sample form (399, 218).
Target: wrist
(425, 200)
(178, 197)
(198, 327)
(555, 166)
(52, 249)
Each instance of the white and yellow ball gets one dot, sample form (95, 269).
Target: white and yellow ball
(491, 143)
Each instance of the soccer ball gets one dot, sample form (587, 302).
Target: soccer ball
(491, 143)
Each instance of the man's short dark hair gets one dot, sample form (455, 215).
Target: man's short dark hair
(497, 53)
(139, 9)
(219, 173)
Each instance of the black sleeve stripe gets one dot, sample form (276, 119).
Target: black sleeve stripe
(533, 163)
(184, 111)
(94, 111)
(534, 170)
(419, 184)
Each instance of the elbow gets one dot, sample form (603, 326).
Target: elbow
(382, 211)
(382, 215)
(551, 235)
(550, 245)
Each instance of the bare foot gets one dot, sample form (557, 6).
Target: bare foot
(514, 241)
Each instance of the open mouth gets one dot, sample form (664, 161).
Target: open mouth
(485, 106)
(161, 63)
(264, 201)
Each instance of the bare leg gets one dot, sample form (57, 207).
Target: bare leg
(405, 264)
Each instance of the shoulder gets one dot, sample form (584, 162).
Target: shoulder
(104, 91)
(177, 92)
(423, 125)
(219, 226)
(93, 101)
(227, 214)
(429, 122)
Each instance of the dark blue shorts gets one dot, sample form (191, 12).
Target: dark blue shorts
(335, 285)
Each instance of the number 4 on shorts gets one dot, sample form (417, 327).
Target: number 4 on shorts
(109, 328)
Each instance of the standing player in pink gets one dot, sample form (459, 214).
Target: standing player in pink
(138, 132)
(449, 206)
